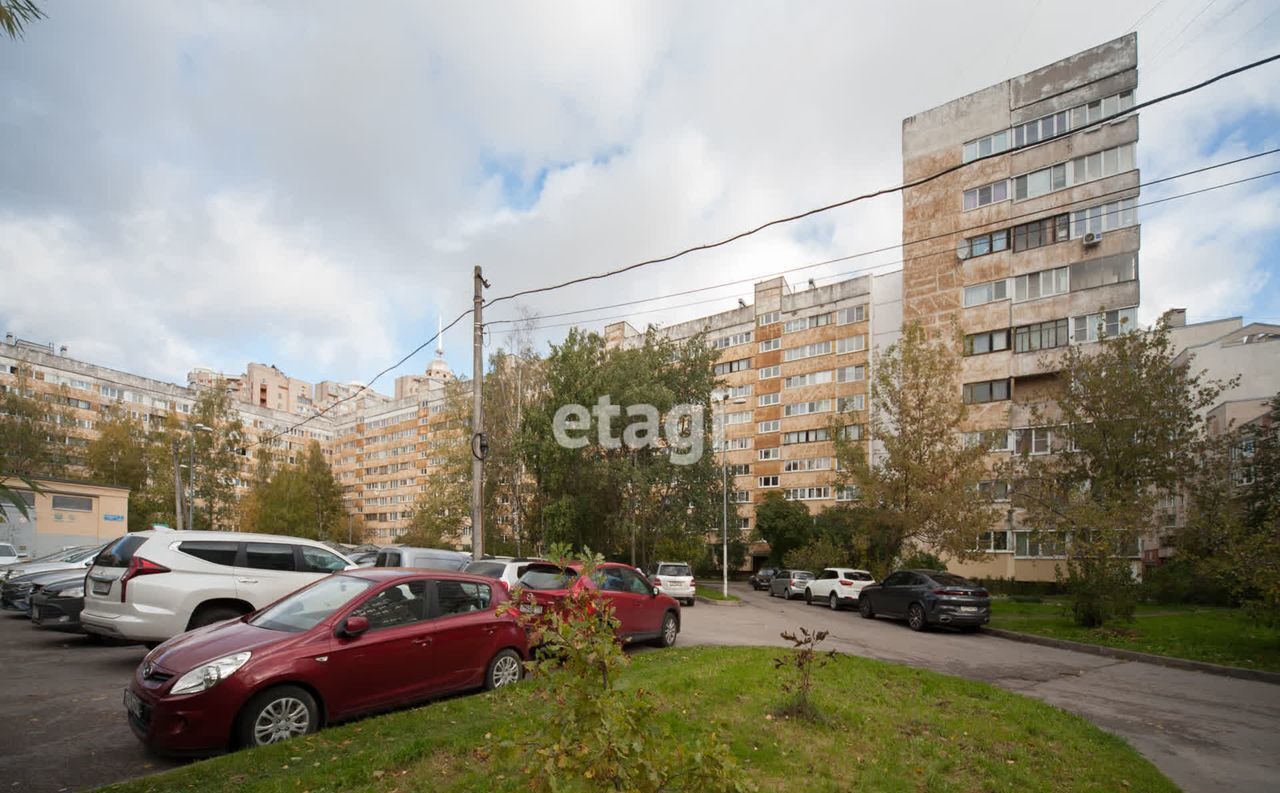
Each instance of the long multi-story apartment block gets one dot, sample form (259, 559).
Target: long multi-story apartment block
(1028, 242)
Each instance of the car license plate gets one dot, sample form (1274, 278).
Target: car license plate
(101, 587)
(969, 609)
(525, 608)
(132, 703)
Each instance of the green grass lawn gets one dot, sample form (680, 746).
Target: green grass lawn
(888, 728)
(1199, 633)
(714, 593)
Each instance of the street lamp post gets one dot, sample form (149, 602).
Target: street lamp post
(724, 460)
(191, 474)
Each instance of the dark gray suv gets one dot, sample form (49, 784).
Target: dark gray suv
(927, 597)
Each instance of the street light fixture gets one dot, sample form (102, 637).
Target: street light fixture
(725, 401)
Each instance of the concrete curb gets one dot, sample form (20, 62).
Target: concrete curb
(711, 602)
(1132, 655)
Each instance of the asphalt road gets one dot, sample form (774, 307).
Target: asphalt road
(62, 725)
(1205, 732)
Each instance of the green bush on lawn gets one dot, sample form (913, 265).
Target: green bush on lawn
(885, 728)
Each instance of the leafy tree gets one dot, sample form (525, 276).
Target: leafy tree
(301, 500)
(216, 457)
(35, 438)
(16, 14)
(819, 552)
(443, 510)
(1132, 420)
(925, 478)
(785, 525)
(920, 559)
(869, 538)
(324, 494)
(121, 455)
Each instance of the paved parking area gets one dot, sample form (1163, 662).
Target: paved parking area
(62, 726)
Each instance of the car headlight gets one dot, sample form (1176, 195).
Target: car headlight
(208, 675)
(74, 592)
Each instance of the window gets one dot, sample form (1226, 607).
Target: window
(740, 417)
(985, 147)
(1108, 323)
(769, 345)
(855, 402)
(768, 399)
(739, 391)
(851, 344)
(1104, 217)
(769, 454)
(986, 391)
(744, 523)
(807, 493)
(318, 560)
(808, 351)
(769, 426)
(987, 194)
(770, 371)
(221, 553)
(73, 503)
(807, 464)
(805, 436)
(991, 440)
(805, 323)
(1032, 440)
(1039, 233)
(732, 366)
(983, 244)
(269, 556)
(848, 494)
(1041, 336)
(851, 432)
(109, 391)
(852, 314)
(1106, 270)
(805, 408)
(739, 469)
(769, 318)
(734, 444)
(812, 378)
(768, 481)
(402, 604)
(993, 541)
(1042, 284)
(1038, 543)
(741, 497)
(851, 374)
(989, 292)
(994, 489)
(461, 597)
(1040, 129)
(1086, 168)
(982, 343)
(732, 340)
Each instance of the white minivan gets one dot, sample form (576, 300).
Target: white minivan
(148, 586)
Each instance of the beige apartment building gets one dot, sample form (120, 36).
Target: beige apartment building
(62, 513)
(1030, 244)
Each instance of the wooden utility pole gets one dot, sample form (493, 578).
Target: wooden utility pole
(177, 487)
(478, 443)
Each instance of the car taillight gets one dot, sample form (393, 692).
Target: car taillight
(138, 566)
(959, 592)
(656, 581)
(845, 583)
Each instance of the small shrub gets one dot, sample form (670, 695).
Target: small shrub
(804, 660)
(922, 560)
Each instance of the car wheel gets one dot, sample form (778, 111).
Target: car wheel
(670, 629)
(864, 608)
(808, 597)
(833, 602)
(208, 616)
(690, 602)
(278, 714)
(505, 668)
(915, 617)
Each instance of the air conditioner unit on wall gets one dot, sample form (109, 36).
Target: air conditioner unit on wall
(1092, 238)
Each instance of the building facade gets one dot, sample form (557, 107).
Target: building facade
(63, 513)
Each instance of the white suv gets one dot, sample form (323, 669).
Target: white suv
(674, 579)
(150, 585)
(837, 586)
(505, 569)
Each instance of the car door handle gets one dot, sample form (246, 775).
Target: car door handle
(492, 629)
(423, 641)
(247, 580)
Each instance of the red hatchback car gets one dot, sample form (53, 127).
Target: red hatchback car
(643, 613)
(358, 641)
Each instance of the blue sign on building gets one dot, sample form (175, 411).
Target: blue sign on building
(113, 517)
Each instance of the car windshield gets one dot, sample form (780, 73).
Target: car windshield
(304, 609)
(947, 579)
(486, 569)
(674, 569)
(7, 550)
(547, 576)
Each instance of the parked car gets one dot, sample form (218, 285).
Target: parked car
(927, 597)
(837, 586)
(57, 607)
(674, 579)
(789, 583)
(16, 593)
(643, 613)
(362, 640)
(423, 558)
(150, 585)
(506, 570)
(79, 556)
(760, 579)
(364, 558)
(10, 554)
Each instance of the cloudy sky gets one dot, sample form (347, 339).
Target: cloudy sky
(310, 184)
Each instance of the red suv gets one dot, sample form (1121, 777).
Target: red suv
(643, 613)
(357, 641)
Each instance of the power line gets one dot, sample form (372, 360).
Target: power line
(362, 388)
(895, 246)
(877, 266)
(866, 196)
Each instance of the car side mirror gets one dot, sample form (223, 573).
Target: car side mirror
(353, 627)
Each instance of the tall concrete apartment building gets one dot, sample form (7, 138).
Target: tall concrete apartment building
(789, 361)
(1032, 246)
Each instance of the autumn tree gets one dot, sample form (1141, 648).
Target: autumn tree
(786, 525)
(924, 480)
(36, 437)
(16, 14)
(443, 509)
(214, 434)
(1126, 422)
(299, 500)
